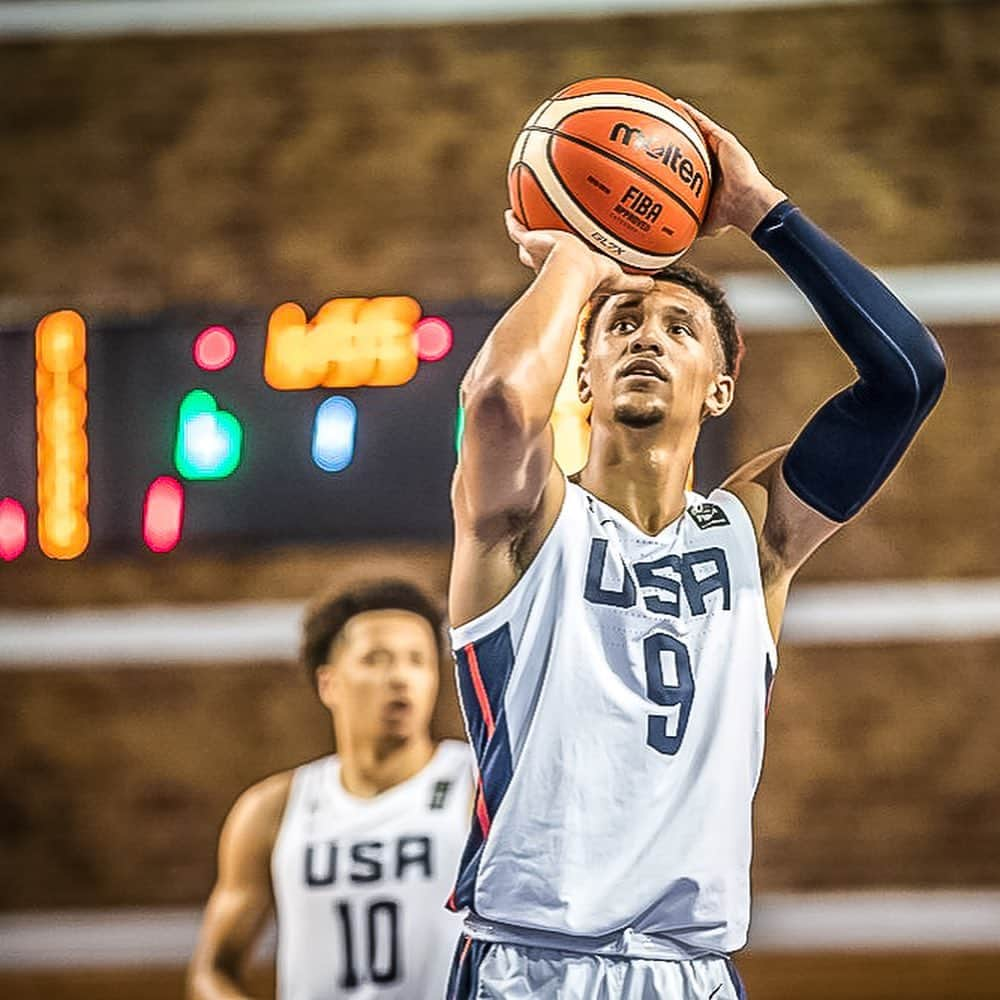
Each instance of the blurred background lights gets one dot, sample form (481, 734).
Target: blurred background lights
(334, 432)
(13, 529)
(61, 402)
(349, 342)
(434, 338)
(163, 514)
(214, 348)
(209, 442)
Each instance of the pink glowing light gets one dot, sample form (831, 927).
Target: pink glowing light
(163, 514)
(434, 338)
(13, 529)
(214, 348)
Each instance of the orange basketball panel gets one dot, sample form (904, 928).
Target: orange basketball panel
(621, 200)
(655, 147)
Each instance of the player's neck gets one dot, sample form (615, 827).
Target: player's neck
(369, 769)
(639, 474)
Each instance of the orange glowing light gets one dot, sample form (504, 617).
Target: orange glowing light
(61, 415)
(349, 342)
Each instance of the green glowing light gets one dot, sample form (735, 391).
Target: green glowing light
(209, 441)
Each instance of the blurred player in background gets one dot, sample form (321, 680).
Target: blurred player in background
(615, 636)
(355, 851)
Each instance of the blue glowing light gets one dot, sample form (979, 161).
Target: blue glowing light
(334, 432)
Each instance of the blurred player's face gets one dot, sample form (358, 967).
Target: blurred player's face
(381, 679)
(655, 359)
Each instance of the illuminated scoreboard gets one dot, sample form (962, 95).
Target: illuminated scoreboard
(220, 428)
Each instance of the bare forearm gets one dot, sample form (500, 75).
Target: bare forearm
(526, 355)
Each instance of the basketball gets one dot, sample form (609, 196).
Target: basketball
(620, 164)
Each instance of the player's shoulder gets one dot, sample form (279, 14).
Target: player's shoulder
(260, 807)
(251, 828)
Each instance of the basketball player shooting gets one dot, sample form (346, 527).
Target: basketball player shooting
(354, 851)
(615, 635)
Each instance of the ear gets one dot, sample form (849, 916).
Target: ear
(327, 685)
(720, 396)
(583, 384)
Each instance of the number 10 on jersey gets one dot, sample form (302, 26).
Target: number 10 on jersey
(370, 935)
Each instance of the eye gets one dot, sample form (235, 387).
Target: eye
(682, 329)
(623, 324)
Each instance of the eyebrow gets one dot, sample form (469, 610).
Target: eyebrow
(628, 300)
(632, 300)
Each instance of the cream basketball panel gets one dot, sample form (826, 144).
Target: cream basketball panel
(515, 153)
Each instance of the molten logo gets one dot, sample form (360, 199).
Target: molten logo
(669, 155)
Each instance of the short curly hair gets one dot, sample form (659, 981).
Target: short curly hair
(706, 288)
(330, 612)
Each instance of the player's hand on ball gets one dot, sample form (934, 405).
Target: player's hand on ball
(741, 194)
(535, 245)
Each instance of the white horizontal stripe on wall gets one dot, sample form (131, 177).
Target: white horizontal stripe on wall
(53, 18)
(208, 633)
(941, 295)
(834, 921)
(818, 614)
(945, 294)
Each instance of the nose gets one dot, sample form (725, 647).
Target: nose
(397, 673)
(644, 342)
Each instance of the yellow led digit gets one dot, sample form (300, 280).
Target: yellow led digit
(349, 342)
(61, 415)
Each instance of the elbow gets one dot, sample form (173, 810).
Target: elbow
(929, 371)
(916, 377)
(496, 405)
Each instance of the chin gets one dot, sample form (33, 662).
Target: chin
(395, 737)
(639, 413)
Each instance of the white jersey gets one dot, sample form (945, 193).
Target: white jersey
(360, 884)
(615, 699)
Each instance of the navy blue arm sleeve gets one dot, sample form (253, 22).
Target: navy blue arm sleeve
(851, 444)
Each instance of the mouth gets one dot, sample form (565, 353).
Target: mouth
(644, 367)
(398, 706)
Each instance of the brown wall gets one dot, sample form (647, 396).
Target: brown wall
(246, 169)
